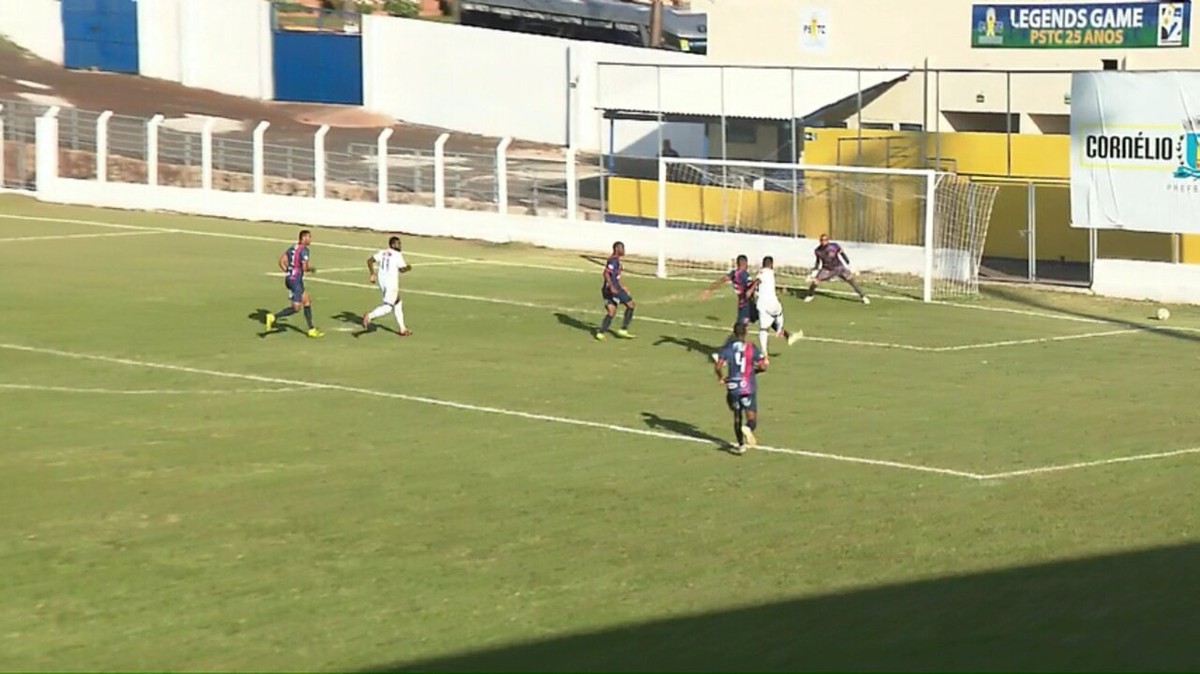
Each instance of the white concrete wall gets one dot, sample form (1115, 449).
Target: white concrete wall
(1157, 281)
(223, 45)
(498, 83)
(35, 25)
(160, 43)
(476, 225)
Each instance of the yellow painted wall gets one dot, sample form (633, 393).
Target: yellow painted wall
(890, 207)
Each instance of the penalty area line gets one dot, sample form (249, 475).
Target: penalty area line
(499, 411)
(1089, 464)
(647, 319)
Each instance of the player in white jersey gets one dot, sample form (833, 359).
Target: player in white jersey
(770, 309)
(385, 267)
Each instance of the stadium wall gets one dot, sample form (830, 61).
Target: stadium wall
(498, 83)
(220, 45)
(35, 25)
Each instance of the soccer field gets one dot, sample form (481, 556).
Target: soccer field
(1007, 482)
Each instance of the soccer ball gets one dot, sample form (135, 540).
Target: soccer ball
(1163, 313)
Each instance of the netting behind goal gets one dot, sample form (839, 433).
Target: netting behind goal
(716, 210)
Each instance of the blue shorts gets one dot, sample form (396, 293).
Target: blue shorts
(744, 401)
(747, 313)
(295, 289)
(620, 297)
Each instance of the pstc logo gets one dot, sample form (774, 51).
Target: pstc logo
(1189, 157)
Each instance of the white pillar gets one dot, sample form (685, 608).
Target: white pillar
(572, 185)
(381, 157)
(1, 146)
(102, 145)
(502, 175)
(319, 161)
(46, 149)
(439, 171)
(152, 149)
(206, 153)
(260, 133)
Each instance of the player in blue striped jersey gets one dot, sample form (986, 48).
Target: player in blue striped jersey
(737, 365)
(743, 289)
(613, 292)
(294, 265)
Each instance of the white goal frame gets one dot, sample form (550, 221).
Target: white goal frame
(930, 176)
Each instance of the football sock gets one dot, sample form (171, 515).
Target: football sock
(752, 422)
(381, 310)
(856, 288)
(737, 426)
(762, 340)
(308, 317)
(283, 313)
(606, 323)
(627, 319)
(399, 312)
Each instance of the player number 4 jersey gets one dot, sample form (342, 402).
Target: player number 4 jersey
(388, 264)
(740, 358)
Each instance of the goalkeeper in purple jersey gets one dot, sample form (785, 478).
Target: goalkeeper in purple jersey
(832, 262)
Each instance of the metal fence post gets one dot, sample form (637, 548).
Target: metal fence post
(572, 186)
(1031, 230)
(102, 145)
(319, 161)
(260, 133)
(439, 171)
(381, 156)
(502, 174)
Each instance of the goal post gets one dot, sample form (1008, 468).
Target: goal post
(907, 230)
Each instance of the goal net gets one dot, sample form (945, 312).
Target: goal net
(904, 230)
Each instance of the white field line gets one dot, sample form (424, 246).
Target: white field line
(704, 326)
(1089, 464)
(500, 263)
(267, 239)
(140, 392)
(60, 237)
(647, 319)
(478, 408)
(1037, 340)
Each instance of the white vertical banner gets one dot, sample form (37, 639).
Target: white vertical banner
(1135, 151)
(814, 30)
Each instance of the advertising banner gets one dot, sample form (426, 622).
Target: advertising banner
(1123, 25)
(1135, 151)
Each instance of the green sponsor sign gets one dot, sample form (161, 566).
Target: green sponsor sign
(1118, 25)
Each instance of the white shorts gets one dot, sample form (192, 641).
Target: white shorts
(768, 313)
(391, 294)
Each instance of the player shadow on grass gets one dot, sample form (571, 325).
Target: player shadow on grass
(355, 319)
(1028, 300)
(1126, 611)
(260, 316)
(572, 322)
(684, 428)
(692, 345)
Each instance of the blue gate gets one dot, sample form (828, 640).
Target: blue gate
(313, 67)
(100, 34)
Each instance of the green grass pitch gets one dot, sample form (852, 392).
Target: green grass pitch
(1004, 483)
